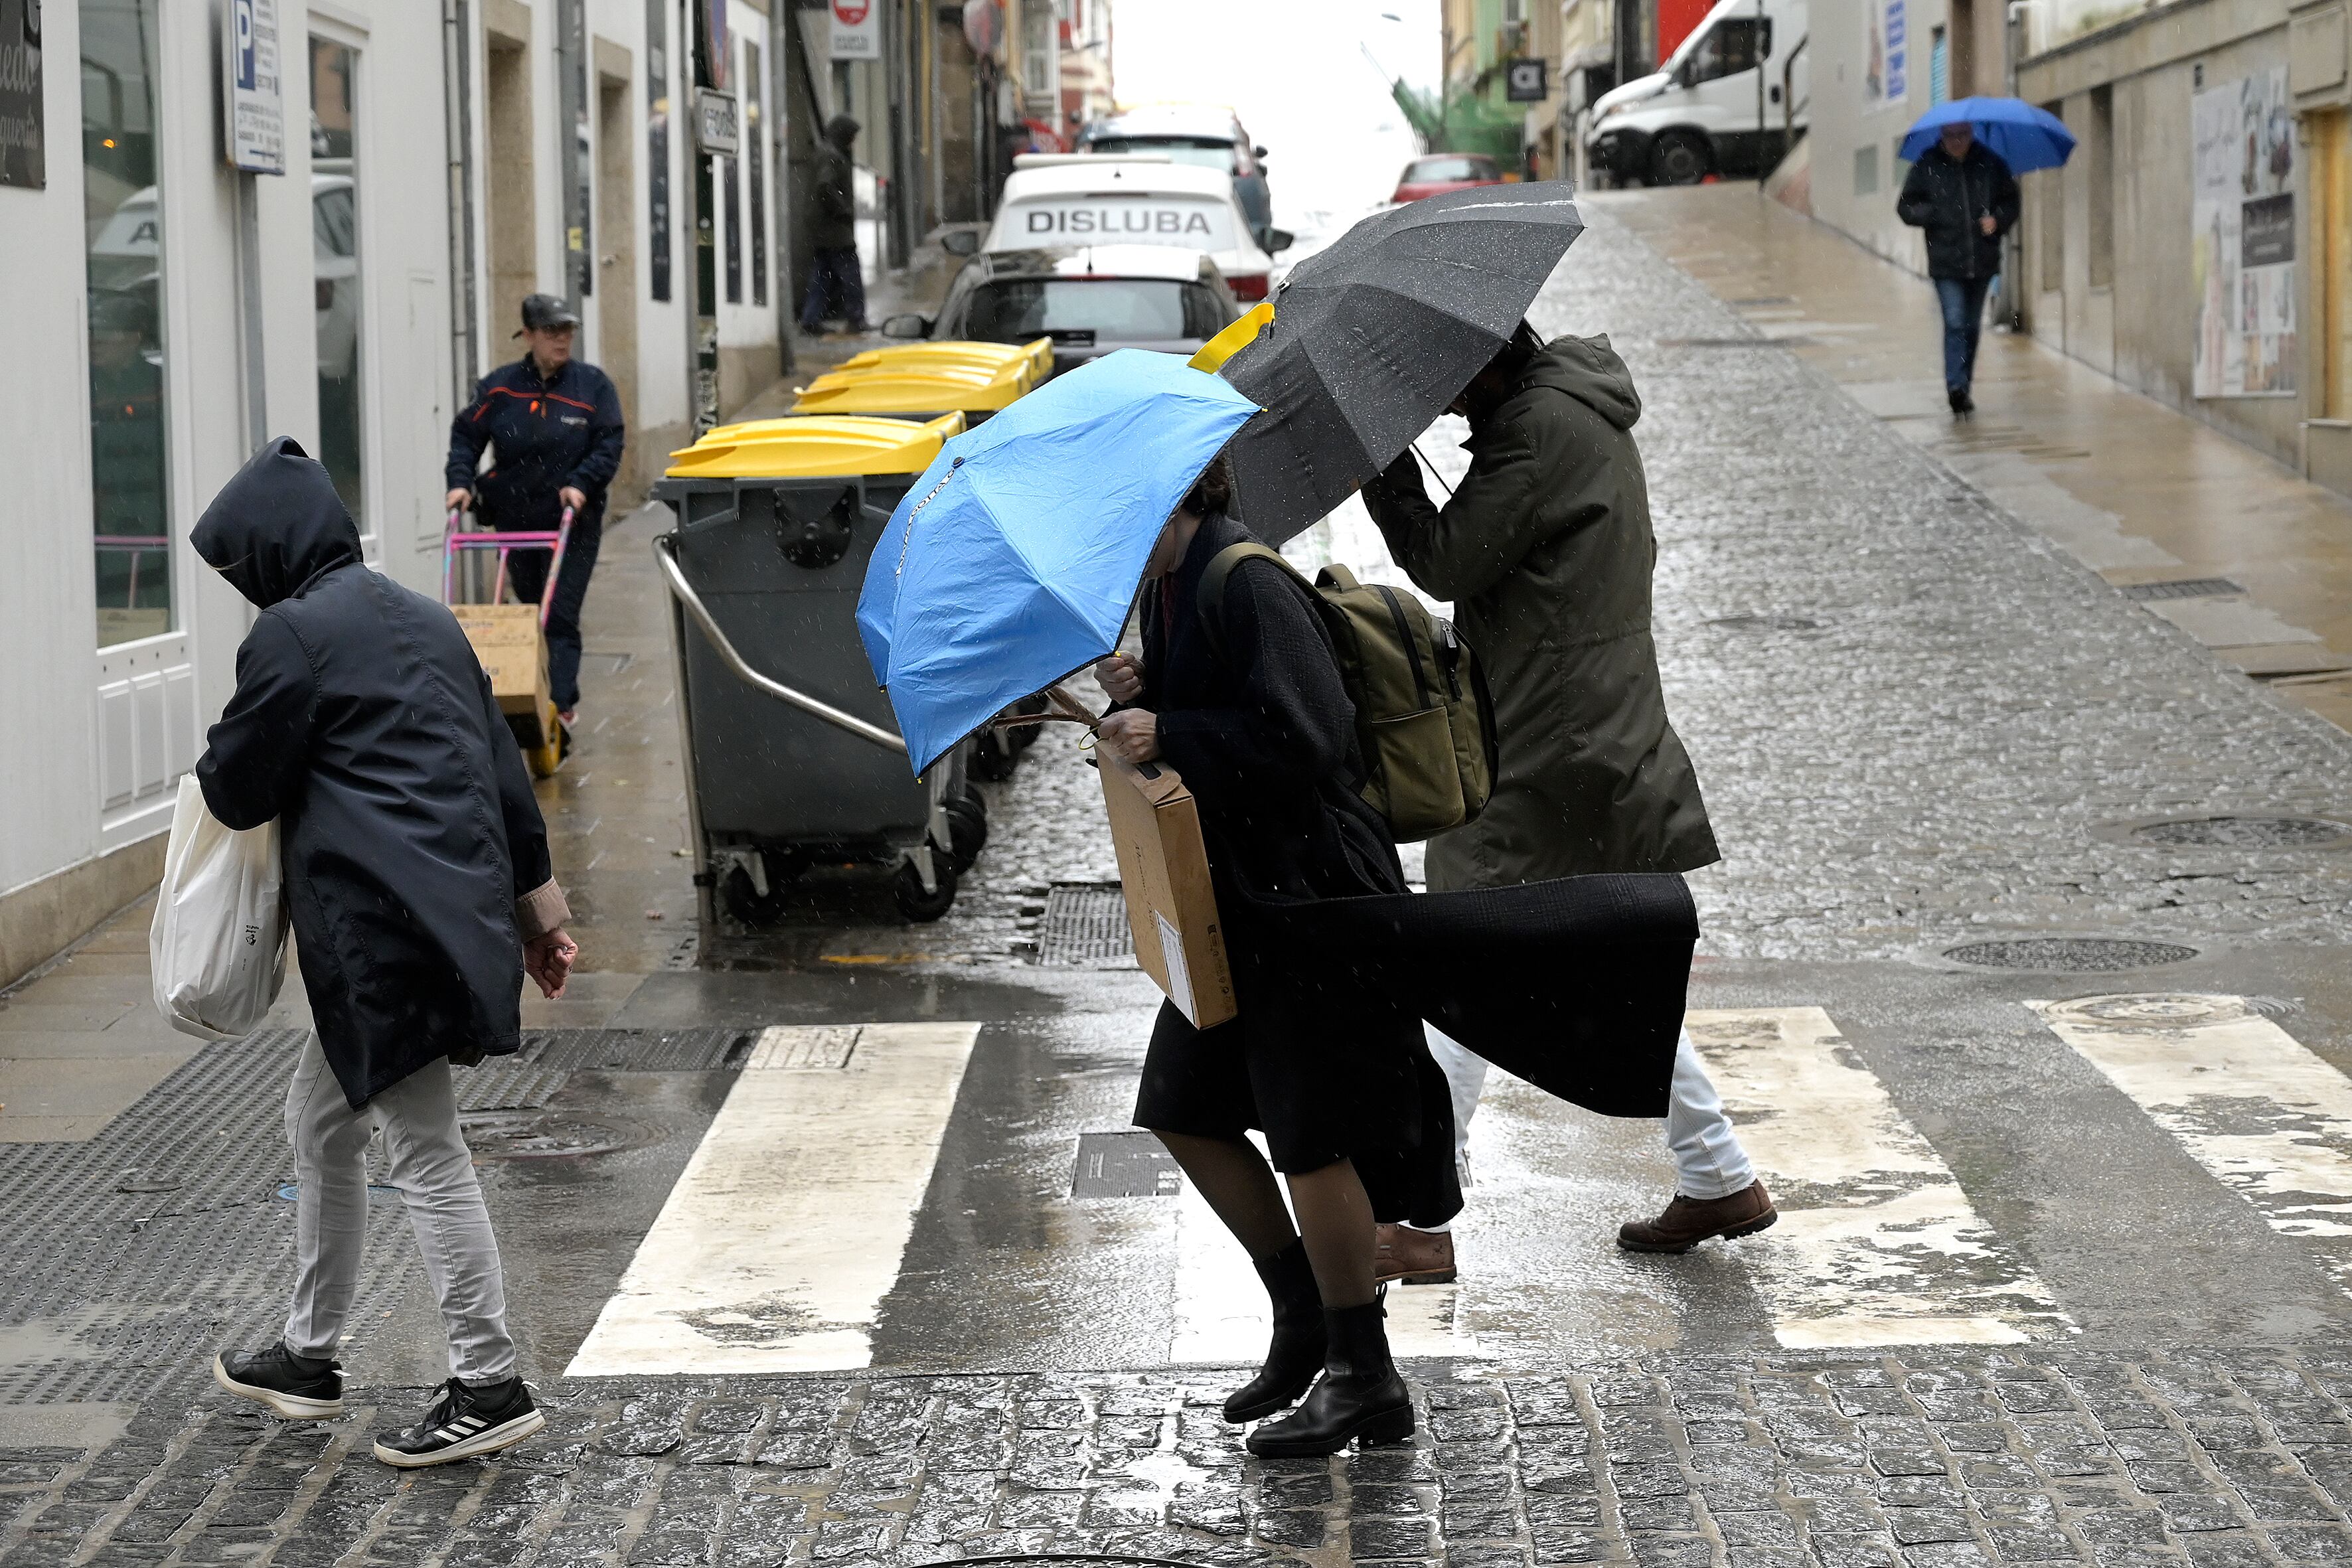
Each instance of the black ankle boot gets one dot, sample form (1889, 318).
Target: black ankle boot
(1299, 1338)
(1359, 1396)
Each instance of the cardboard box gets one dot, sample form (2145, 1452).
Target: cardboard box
(507, 639)
(1163, 865)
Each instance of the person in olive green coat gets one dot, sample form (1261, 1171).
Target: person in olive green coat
(1546, 551)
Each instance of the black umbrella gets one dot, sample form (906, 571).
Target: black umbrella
(1373, 337)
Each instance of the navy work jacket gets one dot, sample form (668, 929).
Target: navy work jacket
(544, 434)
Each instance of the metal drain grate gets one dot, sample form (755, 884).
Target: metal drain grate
(636, 1050)
(2243, 832)
(2181, 589)
(1766, 624)
(1124, 1165)
(2069, 954)
(1085, 926)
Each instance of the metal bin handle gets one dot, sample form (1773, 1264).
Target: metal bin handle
(664, 555)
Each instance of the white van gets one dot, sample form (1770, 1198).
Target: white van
(1053, 199)
(1705, 112)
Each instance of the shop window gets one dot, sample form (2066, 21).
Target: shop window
(123, 249)
(1038, 64)
(1865, 170)
(734, 198)
(335, 297)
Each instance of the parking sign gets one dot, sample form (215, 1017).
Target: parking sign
(253, 103)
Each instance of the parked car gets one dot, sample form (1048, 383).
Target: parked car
(1089, 299)
(1206, 137)
(1442, 171)
(1086, 198)
(1702, 114)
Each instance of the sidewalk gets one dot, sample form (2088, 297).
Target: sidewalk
(2141, 494)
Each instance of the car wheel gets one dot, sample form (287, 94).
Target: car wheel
(1679, 158)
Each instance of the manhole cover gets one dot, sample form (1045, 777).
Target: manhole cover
(2243, 832)
(546, 1134)
(1124, 1165)
(2069, 954)
(1084, 924)
(1766, 624)
(2181, 589)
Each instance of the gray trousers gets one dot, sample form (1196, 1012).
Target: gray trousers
(427, 1158)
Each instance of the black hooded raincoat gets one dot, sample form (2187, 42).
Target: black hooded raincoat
(415, 861)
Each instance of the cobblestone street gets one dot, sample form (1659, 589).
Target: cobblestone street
(1936, 1460)
(1918, 723)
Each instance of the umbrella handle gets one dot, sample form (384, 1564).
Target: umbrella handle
(1433, 470)
(1072, 708)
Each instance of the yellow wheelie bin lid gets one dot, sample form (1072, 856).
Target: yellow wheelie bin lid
(930, 386)
(1037, 354)
(821, 447)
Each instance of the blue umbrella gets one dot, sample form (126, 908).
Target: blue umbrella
(2021, 136)
(1012, 560)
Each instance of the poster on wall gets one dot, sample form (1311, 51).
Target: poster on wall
(1885, 75)
(2244, 255)
(22, 158)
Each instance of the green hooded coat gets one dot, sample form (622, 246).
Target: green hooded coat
(1546, 551)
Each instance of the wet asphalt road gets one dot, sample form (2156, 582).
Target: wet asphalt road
(1919, 726)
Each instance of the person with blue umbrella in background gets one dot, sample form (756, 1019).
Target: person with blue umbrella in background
(1962, 191)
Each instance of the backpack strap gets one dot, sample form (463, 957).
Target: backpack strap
(1209, 599)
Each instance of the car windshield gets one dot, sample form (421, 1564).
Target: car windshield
(1132, 309)
(1427, 169)
(1181, 150)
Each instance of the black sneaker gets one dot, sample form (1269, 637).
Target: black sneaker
(294, 1386)
(464, 1423)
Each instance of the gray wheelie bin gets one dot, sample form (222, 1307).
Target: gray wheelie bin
(792, 758)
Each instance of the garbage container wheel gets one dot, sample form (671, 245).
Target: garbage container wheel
(746, 902)
(906, 890)
(997, 755)
(1026, 736)
(967, 828)
(544, 759)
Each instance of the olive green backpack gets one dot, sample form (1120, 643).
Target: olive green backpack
(1424, 718)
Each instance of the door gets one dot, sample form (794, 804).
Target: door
(616, 262)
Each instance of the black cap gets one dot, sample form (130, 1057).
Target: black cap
(544, 313)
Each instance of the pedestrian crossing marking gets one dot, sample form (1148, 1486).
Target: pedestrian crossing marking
(1878, 1243)
(2257, 1109)
(786, 1228)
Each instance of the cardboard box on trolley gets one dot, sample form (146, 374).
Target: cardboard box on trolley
(507, 639)
(1163, 868)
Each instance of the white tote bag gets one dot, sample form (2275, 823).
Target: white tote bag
(217, 948)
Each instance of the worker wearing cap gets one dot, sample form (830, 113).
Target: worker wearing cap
(552, 426)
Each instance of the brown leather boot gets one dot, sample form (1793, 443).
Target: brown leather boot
(1413, 1257)
(1689, 1221)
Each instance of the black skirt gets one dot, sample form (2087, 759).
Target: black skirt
(1324, 1071)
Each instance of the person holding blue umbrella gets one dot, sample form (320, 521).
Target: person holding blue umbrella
(1964, 195)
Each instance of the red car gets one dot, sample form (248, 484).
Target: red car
(1443, 171)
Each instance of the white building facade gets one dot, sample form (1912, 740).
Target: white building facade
(172, 312)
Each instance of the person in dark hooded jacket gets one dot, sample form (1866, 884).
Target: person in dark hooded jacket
(1546, 550)
(833, 234)
(417, 876)
(1963, 196)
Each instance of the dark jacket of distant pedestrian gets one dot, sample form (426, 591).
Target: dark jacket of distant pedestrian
(1546, 551)
(835, 222)
(1255, 720)
(1949, 198)
(415, 861)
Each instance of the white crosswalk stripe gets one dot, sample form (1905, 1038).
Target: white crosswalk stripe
(1876, 1244)
(785, 1230)
(2250, 1103)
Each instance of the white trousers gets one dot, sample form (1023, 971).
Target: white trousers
(1708, 1161)
(427, 1159)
